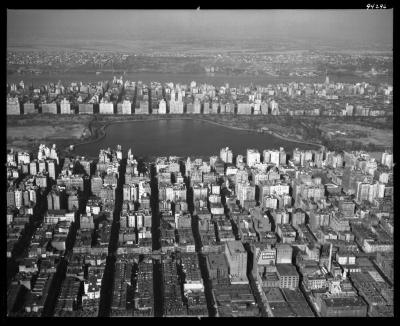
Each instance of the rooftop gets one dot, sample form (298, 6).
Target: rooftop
(217, 260)
(286, 270)
(235, 246)
(344, 302)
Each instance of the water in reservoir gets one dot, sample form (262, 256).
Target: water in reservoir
(182, 138)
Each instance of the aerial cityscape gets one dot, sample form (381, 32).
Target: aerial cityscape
(156, 169)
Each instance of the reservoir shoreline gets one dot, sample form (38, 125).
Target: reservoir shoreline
(91, 130)
(103, 125)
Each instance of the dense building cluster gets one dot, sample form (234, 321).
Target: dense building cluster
(60, 59)
(272, 233)
(210, 60)
(127, 98)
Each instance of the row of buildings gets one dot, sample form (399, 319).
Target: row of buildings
(265, 234)
(126, 97)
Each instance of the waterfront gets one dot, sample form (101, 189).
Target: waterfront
(182, 138)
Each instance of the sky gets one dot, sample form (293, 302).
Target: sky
(371, 26)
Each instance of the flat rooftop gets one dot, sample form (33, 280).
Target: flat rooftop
(274, 295)
(293, 295)
(217, 260)
(271, 276)
(287, 270)
(235, 247)
(344, 302)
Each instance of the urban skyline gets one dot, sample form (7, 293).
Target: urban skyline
(200, 163)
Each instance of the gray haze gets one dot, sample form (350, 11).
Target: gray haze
(365, 26)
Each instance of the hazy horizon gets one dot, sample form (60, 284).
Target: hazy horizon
(30, 27)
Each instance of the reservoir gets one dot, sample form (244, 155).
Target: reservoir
(184, 137)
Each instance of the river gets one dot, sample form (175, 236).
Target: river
(181, 138)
